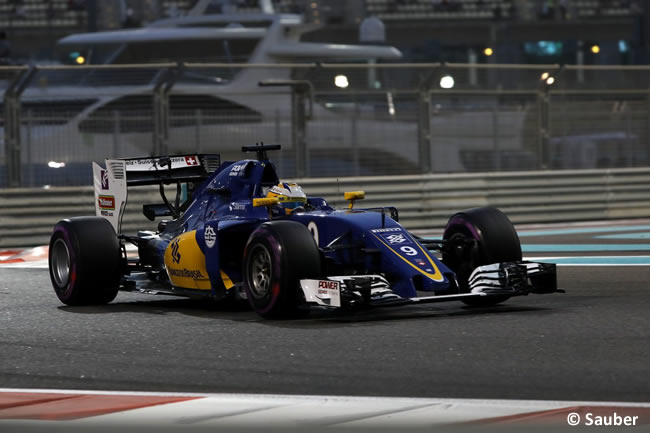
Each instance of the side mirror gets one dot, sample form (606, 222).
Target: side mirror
(266, 201)
(351, 196)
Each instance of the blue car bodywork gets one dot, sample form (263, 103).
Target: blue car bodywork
(363, 256)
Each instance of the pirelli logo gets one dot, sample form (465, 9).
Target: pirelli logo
(106, 202)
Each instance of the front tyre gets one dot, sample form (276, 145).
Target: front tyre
(85, 261)
(277, 256)
(477, 237)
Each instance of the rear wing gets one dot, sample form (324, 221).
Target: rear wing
(170, 169)
(111, 182)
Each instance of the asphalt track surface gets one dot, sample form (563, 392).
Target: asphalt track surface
(590, 343)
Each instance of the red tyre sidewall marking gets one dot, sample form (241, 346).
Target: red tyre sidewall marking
(275, 249)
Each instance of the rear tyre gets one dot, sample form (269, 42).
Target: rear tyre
(85, 261)
(477, 237)
(279, 254)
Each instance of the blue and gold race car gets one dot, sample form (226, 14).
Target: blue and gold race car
(241, 233)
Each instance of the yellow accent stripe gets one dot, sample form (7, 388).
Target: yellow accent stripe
(436, 276)
(226, 280)
(426, 254)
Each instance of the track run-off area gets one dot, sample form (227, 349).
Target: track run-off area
(164, 362)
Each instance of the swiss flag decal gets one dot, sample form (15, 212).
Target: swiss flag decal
(191, 160)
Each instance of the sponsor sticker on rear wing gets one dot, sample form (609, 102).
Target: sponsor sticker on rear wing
(170, 169)
(162, 163)
(110, 191)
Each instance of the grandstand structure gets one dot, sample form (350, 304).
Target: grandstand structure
(448, 9)
(425, 30)
(71, 14)
(28, 14)
(499, 9)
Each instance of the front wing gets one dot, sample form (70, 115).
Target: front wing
(498, 279)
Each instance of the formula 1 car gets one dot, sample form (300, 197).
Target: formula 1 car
(225, 241)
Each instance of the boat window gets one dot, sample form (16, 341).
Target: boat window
(222, 24)
(53, 112)
(133, 113)
(221, 7)
(102, 54)
(204, 51)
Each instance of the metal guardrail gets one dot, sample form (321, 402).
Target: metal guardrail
(425, 201)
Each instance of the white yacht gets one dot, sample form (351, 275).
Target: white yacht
(83, 114)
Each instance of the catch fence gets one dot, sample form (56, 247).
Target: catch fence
(333, 120)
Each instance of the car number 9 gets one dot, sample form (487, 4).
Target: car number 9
(409, 251)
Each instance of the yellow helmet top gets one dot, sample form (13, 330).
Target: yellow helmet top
(289, 195)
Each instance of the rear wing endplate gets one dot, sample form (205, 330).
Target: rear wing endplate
(110, 191)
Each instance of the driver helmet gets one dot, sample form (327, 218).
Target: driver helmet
(290, 196)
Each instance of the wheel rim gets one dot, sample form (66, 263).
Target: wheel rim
(60, 263)
(260, 271)
(464, 265)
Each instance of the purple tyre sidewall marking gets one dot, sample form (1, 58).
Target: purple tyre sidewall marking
(462, 222)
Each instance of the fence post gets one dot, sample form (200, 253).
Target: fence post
(157, 125)
(625, 152)
(539, 122)
(12, 135)
(28, 148)
(160, 125)
(277, 138)
(299, 131)
(424, 129)
(543, 124)
(647, 116)
(302, 109)
(12, 126)
(495, 138)
(354, 122)
(198, 115)
(162, 87)
(117, 127)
